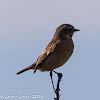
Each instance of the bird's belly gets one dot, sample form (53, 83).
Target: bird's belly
(59, 57)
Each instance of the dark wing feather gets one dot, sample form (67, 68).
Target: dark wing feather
(47, 52)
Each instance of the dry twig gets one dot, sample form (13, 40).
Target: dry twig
(58, 83)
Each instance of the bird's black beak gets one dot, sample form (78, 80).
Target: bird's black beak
(77, 30)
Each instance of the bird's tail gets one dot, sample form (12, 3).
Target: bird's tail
(30, 67)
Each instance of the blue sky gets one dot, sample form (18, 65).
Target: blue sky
(27, 26)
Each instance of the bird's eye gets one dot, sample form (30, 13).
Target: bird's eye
(64, 30)
(70, 29)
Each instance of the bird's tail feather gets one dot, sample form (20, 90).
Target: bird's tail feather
(30, 67)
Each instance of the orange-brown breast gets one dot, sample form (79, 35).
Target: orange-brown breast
(59, 56)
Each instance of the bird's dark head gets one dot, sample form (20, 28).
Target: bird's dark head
(65, 31)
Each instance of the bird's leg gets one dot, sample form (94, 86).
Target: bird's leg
(60, 75)
(52, 81)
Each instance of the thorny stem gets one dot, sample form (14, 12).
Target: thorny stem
(60, 75)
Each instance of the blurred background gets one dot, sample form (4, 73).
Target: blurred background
(27, 26)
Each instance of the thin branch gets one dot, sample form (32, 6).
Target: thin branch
(60, 75)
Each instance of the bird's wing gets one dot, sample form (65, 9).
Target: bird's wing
(47, 52)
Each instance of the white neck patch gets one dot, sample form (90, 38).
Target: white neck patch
(68, 36)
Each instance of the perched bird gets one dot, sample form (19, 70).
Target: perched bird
(57, 52)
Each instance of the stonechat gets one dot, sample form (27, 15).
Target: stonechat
(57, 52)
